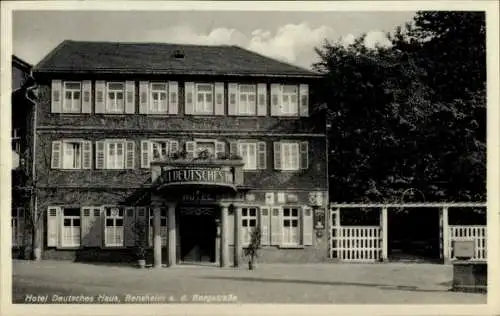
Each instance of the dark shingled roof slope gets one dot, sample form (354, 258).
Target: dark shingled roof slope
(158, 58)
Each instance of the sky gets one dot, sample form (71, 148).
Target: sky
(287, 36)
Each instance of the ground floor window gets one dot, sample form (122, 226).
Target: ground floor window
(163, 226)
(71, 232)
(17, 225)
(113, 233)
(248, 223)
(291, 227)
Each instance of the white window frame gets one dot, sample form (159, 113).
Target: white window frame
(287, 162)
(205, 107)
(247, 107)
(246, 220)
(115, 164)
(155, 142)
(112, 105)
(158, 107)
(114, 234)
(77, 154)
(15, 224)
(245, 155)
(291, 236)
(290, 108)
(70, 235)
(163, 227)
(75, 105)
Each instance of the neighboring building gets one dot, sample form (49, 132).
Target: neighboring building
(216, 140)
(22, 99)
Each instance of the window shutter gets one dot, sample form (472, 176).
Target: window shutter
(304, 99)
(144, 154)
(304, 155)
(52, 226)
(96, 224)
(220, 149)
(142, 219)
(86, 225)
(130, 156)
(56, 104)
(87, 155)
(307, 226)
(277, 155)
(100, 155)
(173, 97)
(261, 155)
(232, 93)
(143, 97)
(276, 225)
(219, 98)
(130, 97)
(190, 149)
(264, 222)
(189, 98)
(275, 99)
(100, 100)
(230, 227)
(129, 227)
(56, 156)
(262, 99)
(86, 99)
(174, 146)
(233, 148)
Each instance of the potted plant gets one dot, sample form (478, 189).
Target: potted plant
(140, 243)
(252, 250)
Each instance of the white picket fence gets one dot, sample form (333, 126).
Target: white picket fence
(356, 243)
(477, 233)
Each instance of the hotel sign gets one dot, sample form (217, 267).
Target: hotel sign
(198, 175)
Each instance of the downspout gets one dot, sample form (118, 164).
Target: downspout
(33, 196)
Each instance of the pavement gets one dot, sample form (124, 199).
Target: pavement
(388, 283)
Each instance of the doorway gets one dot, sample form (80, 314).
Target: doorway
(413, 235)
(197, 237)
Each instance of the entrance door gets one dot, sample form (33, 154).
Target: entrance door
(198, 233)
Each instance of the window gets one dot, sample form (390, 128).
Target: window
(289, 102)
(247, 99)
(205, 146)
(163, 227)
(115, 101)
(113, 233)
(17, 227)
(159, 100)
(248, 223)
(115, 155)
(289, 156)
(159, 149)
(204, 99)
(72, 155)
(248, 151)
(16, 141)
(291, 226)
(71, 227)
(72, 102)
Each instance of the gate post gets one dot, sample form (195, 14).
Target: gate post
(384, 233)
(445, 235)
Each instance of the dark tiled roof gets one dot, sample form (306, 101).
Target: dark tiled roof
(21, 64)
(157, 58)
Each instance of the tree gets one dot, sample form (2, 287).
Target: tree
(398, 121)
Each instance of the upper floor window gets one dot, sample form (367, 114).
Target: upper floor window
(159, 98)
(115, 102)
(204, 99)
(290, 156)
(199, 147)
(289, 100)
(71, 154)
(115, 154)
(247, 99)
(157, 149)
(72, 102)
